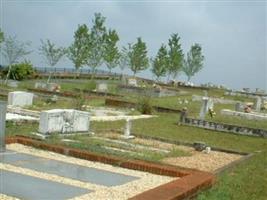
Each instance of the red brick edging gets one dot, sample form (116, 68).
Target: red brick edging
(188, 184)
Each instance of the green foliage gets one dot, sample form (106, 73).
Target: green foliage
(160, 63)
(111, 51)
(138, 56)
(144, 105)
(13, 51)
(97, 42)
(90, 85)
(1, 36)
(194, 61)
(51, 53)
(79, 49)
(175, 56)
(21, 71)
(79, 101)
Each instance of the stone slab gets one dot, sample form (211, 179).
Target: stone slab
(20, 98)
(68, 170)
(32, 188)
(63, 120)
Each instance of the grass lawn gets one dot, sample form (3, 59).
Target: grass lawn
(246, 181)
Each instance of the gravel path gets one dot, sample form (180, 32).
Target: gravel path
(145, 182)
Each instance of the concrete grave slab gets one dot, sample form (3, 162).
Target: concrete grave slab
(68, 170)
(32, 188)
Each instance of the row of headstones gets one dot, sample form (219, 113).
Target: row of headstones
(226, 127)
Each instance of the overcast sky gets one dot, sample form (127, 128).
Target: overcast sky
(232, 34)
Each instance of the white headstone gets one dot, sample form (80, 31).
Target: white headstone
(132, 82)
(63, 120)
(207, 104)
(258, 104)
(19, 98)
(127, 130)
(102, 87)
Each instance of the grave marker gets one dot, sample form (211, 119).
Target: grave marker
(3, 106)
(20, 98)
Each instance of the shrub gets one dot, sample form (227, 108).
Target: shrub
(79, 101)
(21, 71)
(144, 105)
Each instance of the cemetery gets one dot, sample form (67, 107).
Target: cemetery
(121, 131)
(144, 128)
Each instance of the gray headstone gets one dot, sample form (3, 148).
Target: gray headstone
(207, 103)
(132, 82)
(3, 108)
(102, 87)
(258, 104)
(238, 107)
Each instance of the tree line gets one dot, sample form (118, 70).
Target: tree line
(98, 45)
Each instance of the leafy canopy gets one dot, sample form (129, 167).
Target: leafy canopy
(138, 56)
(80, 48)
(194, 62)
(160, 62)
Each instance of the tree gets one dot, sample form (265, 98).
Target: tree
(138, 56)
(111, 51)
(175, 56)
(51, 53)
(79, 49)
(97, 43)
(160, 63)
(124, 58)
(1, 36)
(194, 61)
(13, 51)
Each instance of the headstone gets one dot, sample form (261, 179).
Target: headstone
(132, 82)
(127, 130)
(207, 104)
(238, 107)
(183, 115)
(53, 87)
(258, 104)
(40, 85)
(205, 93)
(102, 87)
(13, 83)
(63, 121)
(19, 98)
(3, 107)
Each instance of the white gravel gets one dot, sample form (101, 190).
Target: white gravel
(145, 182)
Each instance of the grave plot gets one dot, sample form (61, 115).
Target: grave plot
(164, 152)
(55, 176)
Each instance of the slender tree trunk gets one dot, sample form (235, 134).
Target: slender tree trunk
(188, 78)
(8, 74)
(49, 77)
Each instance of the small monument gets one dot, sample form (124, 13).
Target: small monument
(239, 107)
(20, 98)
(63, 121)
(102, 87)
(207, 104)
(132, 82)
(127, 130)
(258, 104)
(3, 107)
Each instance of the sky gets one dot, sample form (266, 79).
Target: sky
(233, 34)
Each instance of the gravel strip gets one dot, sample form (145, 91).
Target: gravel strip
(145, 182)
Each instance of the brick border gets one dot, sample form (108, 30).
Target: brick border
(190, 181)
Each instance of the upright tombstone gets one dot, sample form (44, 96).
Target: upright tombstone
(102, 87)
(127, 130)
(20, 98)
(207, 104)
(205, 93)
(258, 104)
(132, 82)
(3, 106)
(238, 107)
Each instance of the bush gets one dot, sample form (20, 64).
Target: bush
(21, 71)
(144, 105)
(79, 101)
(90, 85)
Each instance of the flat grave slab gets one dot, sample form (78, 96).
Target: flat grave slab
(68, 170)
(32, 188)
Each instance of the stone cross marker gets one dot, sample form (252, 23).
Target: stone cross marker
(3, 106)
